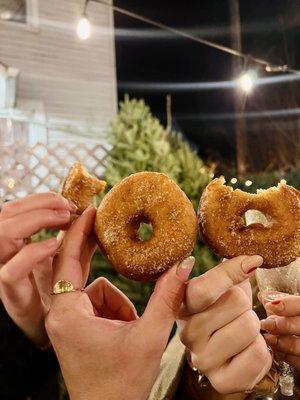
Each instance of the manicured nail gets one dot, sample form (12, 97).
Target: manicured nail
(185, 268)
(268, 324)
(270, 339)
(276, 305)
(63, 213)
(251, 263)
(72, 206)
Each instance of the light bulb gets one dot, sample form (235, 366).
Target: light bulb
(248, 183)
(247, 81)
(233, 181)
(83, 28)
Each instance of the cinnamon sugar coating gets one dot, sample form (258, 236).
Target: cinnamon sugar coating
(221, 222)
(149, 197)
(80, 187)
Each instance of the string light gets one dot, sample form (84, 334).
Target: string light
(283, 181)
(247, 81)
(268, 67)
(83, 28)
(233, 181)
(11, 183)
(248, 183)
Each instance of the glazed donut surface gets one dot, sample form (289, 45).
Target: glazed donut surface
(152, 198)
(221, 222)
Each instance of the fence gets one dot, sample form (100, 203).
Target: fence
(42, 167)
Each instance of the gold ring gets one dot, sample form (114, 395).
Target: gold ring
(63, 286)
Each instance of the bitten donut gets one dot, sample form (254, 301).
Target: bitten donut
(155, 199)
(80, 187)
(222, 224)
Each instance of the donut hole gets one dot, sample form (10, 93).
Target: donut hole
(145, 231)
(256, 218)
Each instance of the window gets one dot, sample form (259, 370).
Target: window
(19, 12)
(13, 10)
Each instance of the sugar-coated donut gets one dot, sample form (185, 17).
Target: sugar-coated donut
(155, 199)
(80, 187)
(221, 221)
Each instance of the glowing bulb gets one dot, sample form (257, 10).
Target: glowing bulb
(248, 183)
(10, 183)
(233, 181)
(83, 28)
(283, 181)
(247, 81)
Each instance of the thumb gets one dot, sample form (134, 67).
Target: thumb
(167, 297)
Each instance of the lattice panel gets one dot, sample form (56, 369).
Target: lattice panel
(41, 168)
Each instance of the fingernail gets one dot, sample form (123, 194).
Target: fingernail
(52, 243)
(88, 209)
(251, 263)
(268, 324)
(72, 206)
(63, 213)
(185, 268)
(277, 305)
(270, 339)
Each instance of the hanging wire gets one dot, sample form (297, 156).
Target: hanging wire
(266, 64)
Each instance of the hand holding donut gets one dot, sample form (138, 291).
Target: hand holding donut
(20, 219)
(283, 327)
(104, 349)
(25, 277)
(220, 330)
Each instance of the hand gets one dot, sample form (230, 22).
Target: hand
(26, 276)
(220, 329)
(22, 218)
(283, 327)
(105, 351)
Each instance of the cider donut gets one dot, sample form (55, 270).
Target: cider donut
(155, 199)
(220, 216)
(80, 187)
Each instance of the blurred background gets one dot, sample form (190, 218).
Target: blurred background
(93, 81)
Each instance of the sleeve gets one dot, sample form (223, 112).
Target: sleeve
(24, 368)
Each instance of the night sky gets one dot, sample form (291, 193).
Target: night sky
(270, 29)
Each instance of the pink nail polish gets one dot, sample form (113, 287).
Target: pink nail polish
(252, 270)
(275, 302)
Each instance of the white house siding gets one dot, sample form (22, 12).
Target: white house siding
(72, 80)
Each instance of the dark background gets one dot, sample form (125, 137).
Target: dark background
(146, 55)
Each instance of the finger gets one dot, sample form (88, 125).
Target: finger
(206, 289)
(198, 328)
(281, 325)
(284, 344)
(224, 380)
(244, 330)
(67, 264)
(27, 224)
(19, 292)
(288, 306)
(165, 302)
(86, 257)
(37, 201)
(110, 302)
(23, 263)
